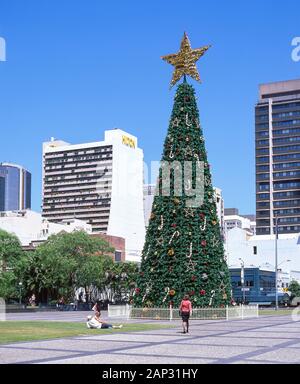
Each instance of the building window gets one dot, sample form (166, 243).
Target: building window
(118, 256)
(255, 250)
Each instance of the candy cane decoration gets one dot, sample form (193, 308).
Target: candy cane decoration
(188, 124)
(211, 298)
(191, 251)
(171, 155)
(161, 223)
(203, 227)
(176, 233)
(167, 294)
(148, 288)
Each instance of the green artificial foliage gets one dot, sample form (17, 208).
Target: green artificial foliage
(183, 251)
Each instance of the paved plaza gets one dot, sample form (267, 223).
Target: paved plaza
(265, 340)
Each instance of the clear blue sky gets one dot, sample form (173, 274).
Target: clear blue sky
(75, 68)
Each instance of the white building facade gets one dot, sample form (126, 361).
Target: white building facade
(100, 183)
(31, 227)
(259, 251)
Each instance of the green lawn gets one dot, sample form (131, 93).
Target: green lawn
(14, 331)
(273, 312)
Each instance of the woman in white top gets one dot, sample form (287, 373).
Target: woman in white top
(97, 323)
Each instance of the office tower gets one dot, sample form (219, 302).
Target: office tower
(15, 187)
(100, 183)
(277, 126)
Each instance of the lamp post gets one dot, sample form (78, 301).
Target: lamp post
(20, 288)
(243, 278)
(276, 262)
(279, 270)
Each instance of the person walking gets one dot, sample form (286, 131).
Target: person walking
(185, 311)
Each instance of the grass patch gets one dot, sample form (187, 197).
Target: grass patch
(273, 312)
(15, 331)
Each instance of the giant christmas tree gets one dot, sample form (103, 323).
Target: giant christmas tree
(183, 251)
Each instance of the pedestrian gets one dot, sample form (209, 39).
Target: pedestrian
(96, 307)
(32, 300)
(185, 310)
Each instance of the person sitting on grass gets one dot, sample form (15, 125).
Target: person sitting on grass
(96, 322)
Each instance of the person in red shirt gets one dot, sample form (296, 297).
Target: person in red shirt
(185, 311)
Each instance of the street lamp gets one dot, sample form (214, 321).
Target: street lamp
(276, 262)
(243, 278)
(20, 288)
(279, 270)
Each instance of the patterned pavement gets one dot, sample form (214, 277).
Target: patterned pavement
(263, 340)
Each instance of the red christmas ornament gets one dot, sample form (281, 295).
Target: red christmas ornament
(174, 225)
(203, 243)
(192, 293)
(137, 290)
(202, 292)
(194, 278)
(202, 215)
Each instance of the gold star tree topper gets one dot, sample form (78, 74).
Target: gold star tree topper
(185, 60)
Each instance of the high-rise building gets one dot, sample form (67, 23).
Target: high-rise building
(100, 183)
(277, 126)
(15, 187)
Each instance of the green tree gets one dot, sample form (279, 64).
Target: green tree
(120, 281)
(294, 288)
(63, 263)
(10, 250)
(183, 251)
(10, 258)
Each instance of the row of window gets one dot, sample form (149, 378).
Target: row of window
(266, 176)
(285, 114)
(286, 165)
(286, 131)
(287, 203)
(276, 132)
(77, 159)
(286, 105)
(282, 140)
(291, 211)
(278, 204)
(289, 156)
(286, 123)
(50, 155)
(289, 220)
(287, 148)
(280, 195)
(93, 173)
